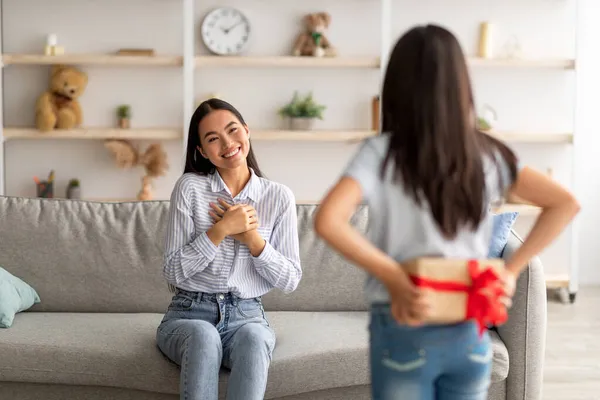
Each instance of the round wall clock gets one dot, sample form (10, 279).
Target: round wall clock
(225, 31)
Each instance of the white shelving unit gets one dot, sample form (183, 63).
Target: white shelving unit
(189, 62)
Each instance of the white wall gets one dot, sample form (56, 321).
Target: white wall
(526, 100)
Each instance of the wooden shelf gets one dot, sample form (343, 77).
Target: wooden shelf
(259, 61)
(532, 137)
(94, 133)
(287, 62)
(313, 136)
(557, 281)
(92, 59)
(521, 63)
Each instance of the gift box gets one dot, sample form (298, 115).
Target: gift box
(460, 290)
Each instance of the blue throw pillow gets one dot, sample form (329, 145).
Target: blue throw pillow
(500, 233)
(15, 296)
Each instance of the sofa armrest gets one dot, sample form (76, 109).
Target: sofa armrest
(524, 334)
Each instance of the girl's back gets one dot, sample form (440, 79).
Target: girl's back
(429, 181)
(404, 229)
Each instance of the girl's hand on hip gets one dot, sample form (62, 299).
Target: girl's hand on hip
(236, 219)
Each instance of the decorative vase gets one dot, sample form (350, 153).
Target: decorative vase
(318, 52)
(485, 40)
(124, 123)
(74, 192)
(375, 113)
(301, 123)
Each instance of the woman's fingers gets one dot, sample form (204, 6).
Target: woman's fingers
(217, 209)
(214, 215)
(223, 203)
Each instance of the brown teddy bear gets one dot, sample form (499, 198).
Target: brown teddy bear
(313, 41)
(154, 160)
(57, 107)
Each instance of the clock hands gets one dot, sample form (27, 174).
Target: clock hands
(226, 30)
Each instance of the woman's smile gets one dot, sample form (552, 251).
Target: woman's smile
(232, 153)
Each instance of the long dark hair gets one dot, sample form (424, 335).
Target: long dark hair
(194, 161)
(428, 111)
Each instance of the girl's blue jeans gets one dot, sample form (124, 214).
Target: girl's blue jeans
(431, 362)
(202, 332)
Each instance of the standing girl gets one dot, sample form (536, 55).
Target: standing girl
(231, 237)
(429, 180)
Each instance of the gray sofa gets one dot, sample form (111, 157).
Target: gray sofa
(97, 269)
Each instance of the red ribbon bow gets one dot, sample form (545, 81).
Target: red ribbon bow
(483, 295)
(483, 303)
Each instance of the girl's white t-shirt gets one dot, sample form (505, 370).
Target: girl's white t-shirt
(405, 230)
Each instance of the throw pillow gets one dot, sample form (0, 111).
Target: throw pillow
(503, 223)
(15, 296)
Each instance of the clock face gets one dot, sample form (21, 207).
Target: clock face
(225, 31)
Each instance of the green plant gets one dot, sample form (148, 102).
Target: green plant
(305, 107)
(483, 124)
(124, 111)
(74, 183)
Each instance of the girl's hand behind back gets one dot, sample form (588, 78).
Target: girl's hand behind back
(409, 304)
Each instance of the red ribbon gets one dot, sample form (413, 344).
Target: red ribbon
(483, 295)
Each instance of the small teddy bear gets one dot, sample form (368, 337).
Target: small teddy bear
(313, 41)
(58, 107)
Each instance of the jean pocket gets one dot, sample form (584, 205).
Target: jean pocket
(250, 308)
(402, 356)
(401, 350)
(181, 303)
(480, 349)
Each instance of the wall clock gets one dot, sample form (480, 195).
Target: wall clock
(225, 31)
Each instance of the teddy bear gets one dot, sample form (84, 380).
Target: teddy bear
(313, 41)
(154, 160)
(58, 107)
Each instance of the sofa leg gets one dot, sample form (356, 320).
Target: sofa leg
(572, 297)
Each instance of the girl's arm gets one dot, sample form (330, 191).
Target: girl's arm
(559, 207)
(332, 223)
(278, 261)
(185, 255)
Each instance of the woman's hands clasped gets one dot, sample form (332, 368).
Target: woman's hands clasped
(238, 221)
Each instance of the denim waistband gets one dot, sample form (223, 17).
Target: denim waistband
(213, 297)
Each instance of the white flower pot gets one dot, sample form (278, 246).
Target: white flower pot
(74, 193)
(301, 124)
(319, 52)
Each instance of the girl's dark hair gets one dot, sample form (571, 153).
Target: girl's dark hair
(194, 161)
(428, 111)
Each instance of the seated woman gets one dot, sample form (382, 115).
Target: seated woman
(231, 237)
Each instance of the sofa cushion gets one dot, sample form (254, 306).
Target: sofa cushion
(107, 257)
(329, 282)
(15, 296)
(501, 231)
(86, 256)
(315, 350)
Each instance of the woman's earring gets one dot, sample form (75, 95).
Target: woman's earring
(195, 152)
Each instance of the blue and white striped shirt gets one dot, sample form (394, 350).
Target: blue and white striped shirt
(192, 262)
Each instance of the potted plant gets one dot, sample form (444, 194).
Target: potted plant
(74, 189)
(124, 116)
(487, 119)
(302, 112)
(483, 124)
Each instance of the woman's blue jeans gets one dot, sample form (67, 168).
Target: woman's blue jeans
(431, 362)
(202, 332)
